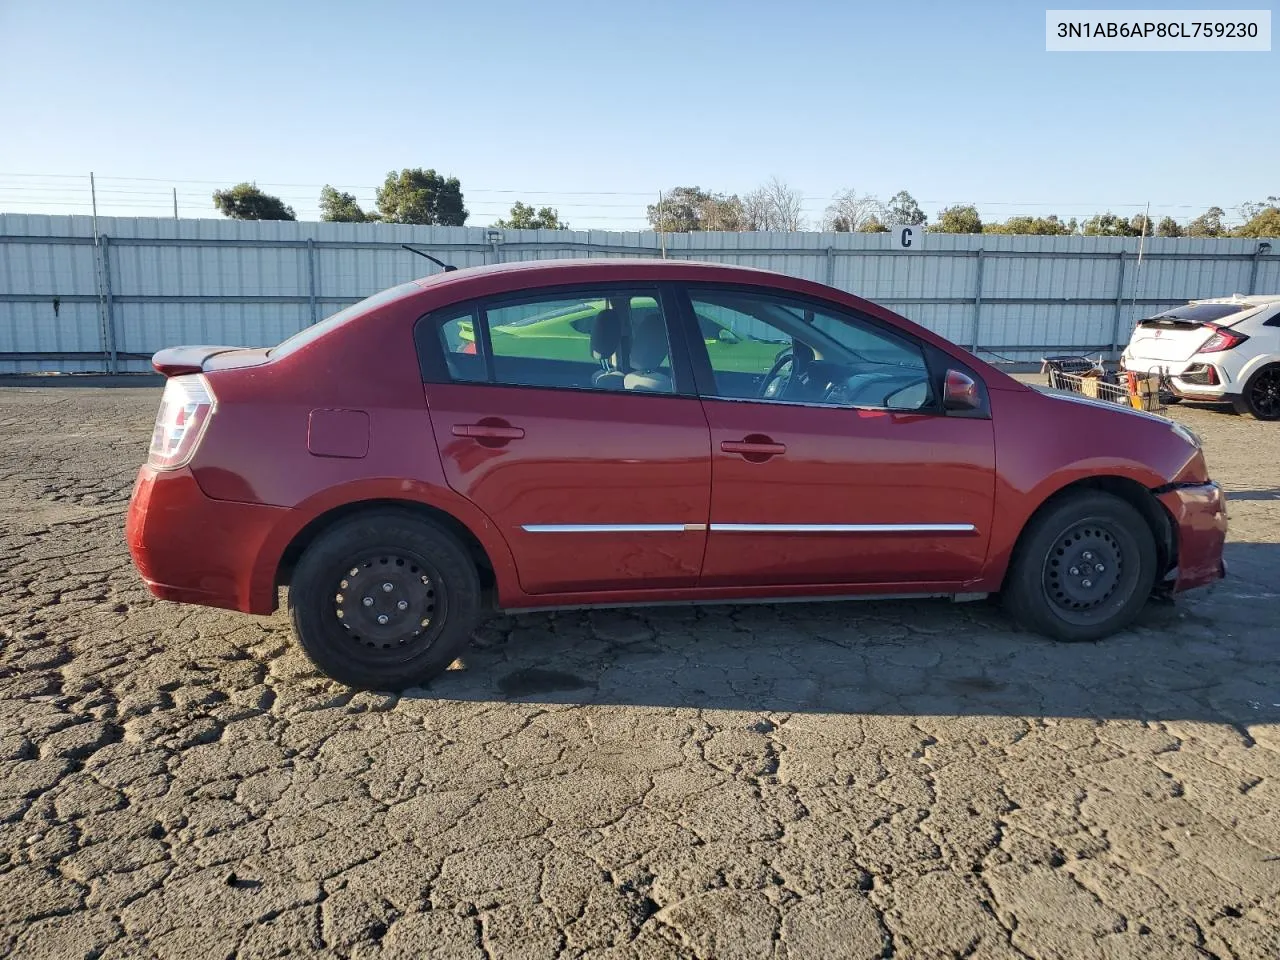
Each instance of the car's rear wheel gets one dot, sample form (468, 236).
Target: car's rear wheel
(1260, 397)
(1083, 568)
(384, 600)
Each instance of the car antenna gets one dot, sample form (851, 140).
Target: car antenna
(439, 263)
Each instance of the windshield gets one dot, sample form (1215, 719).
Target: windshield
(1198, 313)
(317, 330)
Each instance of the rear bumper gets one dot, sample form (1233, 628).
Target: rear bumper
(1149, 365)
(1188, 389)
(1200, 523)
(190, 548)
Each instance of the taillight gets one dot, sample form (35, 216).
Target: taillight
(1222, 339)
(186, 408)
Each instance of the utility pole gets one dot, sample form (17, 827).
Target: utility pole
(662, 236)
(97, 275)
(175, 203)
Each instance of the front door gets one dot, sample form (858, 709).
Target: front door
(831, 461)
(560, 417)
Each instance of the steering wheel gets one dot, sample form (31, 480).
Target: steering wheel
(784, 358)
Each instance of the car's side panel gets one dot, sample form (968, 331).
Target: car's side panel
(1045, 444)
(856, 496)
(594, 490)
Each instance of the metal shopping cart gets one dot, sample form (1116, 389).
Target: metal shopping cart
(1090, 378)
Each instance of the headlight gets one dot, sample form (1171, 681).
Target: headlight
(1184, 433)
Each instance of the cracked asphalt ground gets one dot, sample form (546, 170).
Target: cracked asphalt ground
(803, 781)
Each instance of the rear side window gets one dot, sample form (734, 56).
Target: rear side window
(605, 340)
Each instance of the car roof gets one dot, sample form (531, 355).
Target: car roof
(583, 267)
(1257, 300)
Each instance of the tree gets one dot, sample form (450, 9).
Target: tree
(1264, 223)
(1049, 226)
(958, 219)
(1208, 224)
(689, 209)
(1168, 227)
(1250, 210)
(774, 206)
(245, 201)
(724, 213)
(524, 217)
(421, 196)
(850, 213)
(904, 211)
(873, 226)
(1109, 225)
(338, 207)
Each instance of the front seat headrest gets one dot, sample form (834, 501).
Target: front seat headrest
(648, 342)
(606, 334)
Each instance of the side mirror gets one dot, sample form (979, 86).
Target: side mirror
(960, 392)
(725, 335)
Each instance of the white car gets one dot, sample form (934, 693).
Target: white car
(1226, 350)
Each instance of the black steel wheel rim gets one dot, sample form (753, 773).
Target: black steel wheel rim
(1085, 572)
(389, 604)
(1264, 395)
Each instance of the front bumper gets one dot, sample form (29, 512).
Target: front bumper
(191, 548)
(1199, 513)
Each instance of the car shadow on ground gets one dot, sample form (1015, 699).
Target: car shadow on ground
(1273, 494)
(1210, 656)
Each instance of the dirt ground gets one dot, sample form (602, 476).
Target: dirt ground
(853, 780)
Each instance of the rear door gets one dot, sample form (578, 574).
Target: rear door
(832, 461)
(597, 472)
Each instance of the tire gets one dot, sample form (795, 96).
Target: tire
(1086, 527)
(1260, 397)
(335, 615)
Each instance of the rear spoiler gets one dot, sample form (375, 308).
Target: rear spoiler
(176, 361)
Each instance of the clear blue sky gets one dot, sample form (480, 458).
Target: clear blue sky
(954, 102)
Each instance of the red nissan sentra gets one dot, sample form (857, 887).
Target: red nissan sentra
(626, 432)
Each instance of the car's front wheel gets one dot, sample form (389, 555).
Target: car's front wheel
(384, 600)
(1083, 569)
(1260, 397)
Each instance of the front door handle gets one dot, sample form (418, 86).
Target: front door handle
(488, 430)
(755, 447)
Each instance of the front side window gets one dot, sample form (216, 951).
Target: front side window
(613, 341)
(766, 348)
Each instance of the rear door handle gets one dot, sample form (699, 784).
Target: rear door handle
(753, 447)
(488, 431)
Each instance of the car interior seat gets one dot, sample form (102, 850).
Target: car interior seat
(648, 352)
(606, 342)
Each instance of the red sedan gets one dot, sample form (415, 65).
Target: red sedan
(626, 432)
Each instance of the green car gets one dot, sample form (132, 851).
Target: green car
(564, 333)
